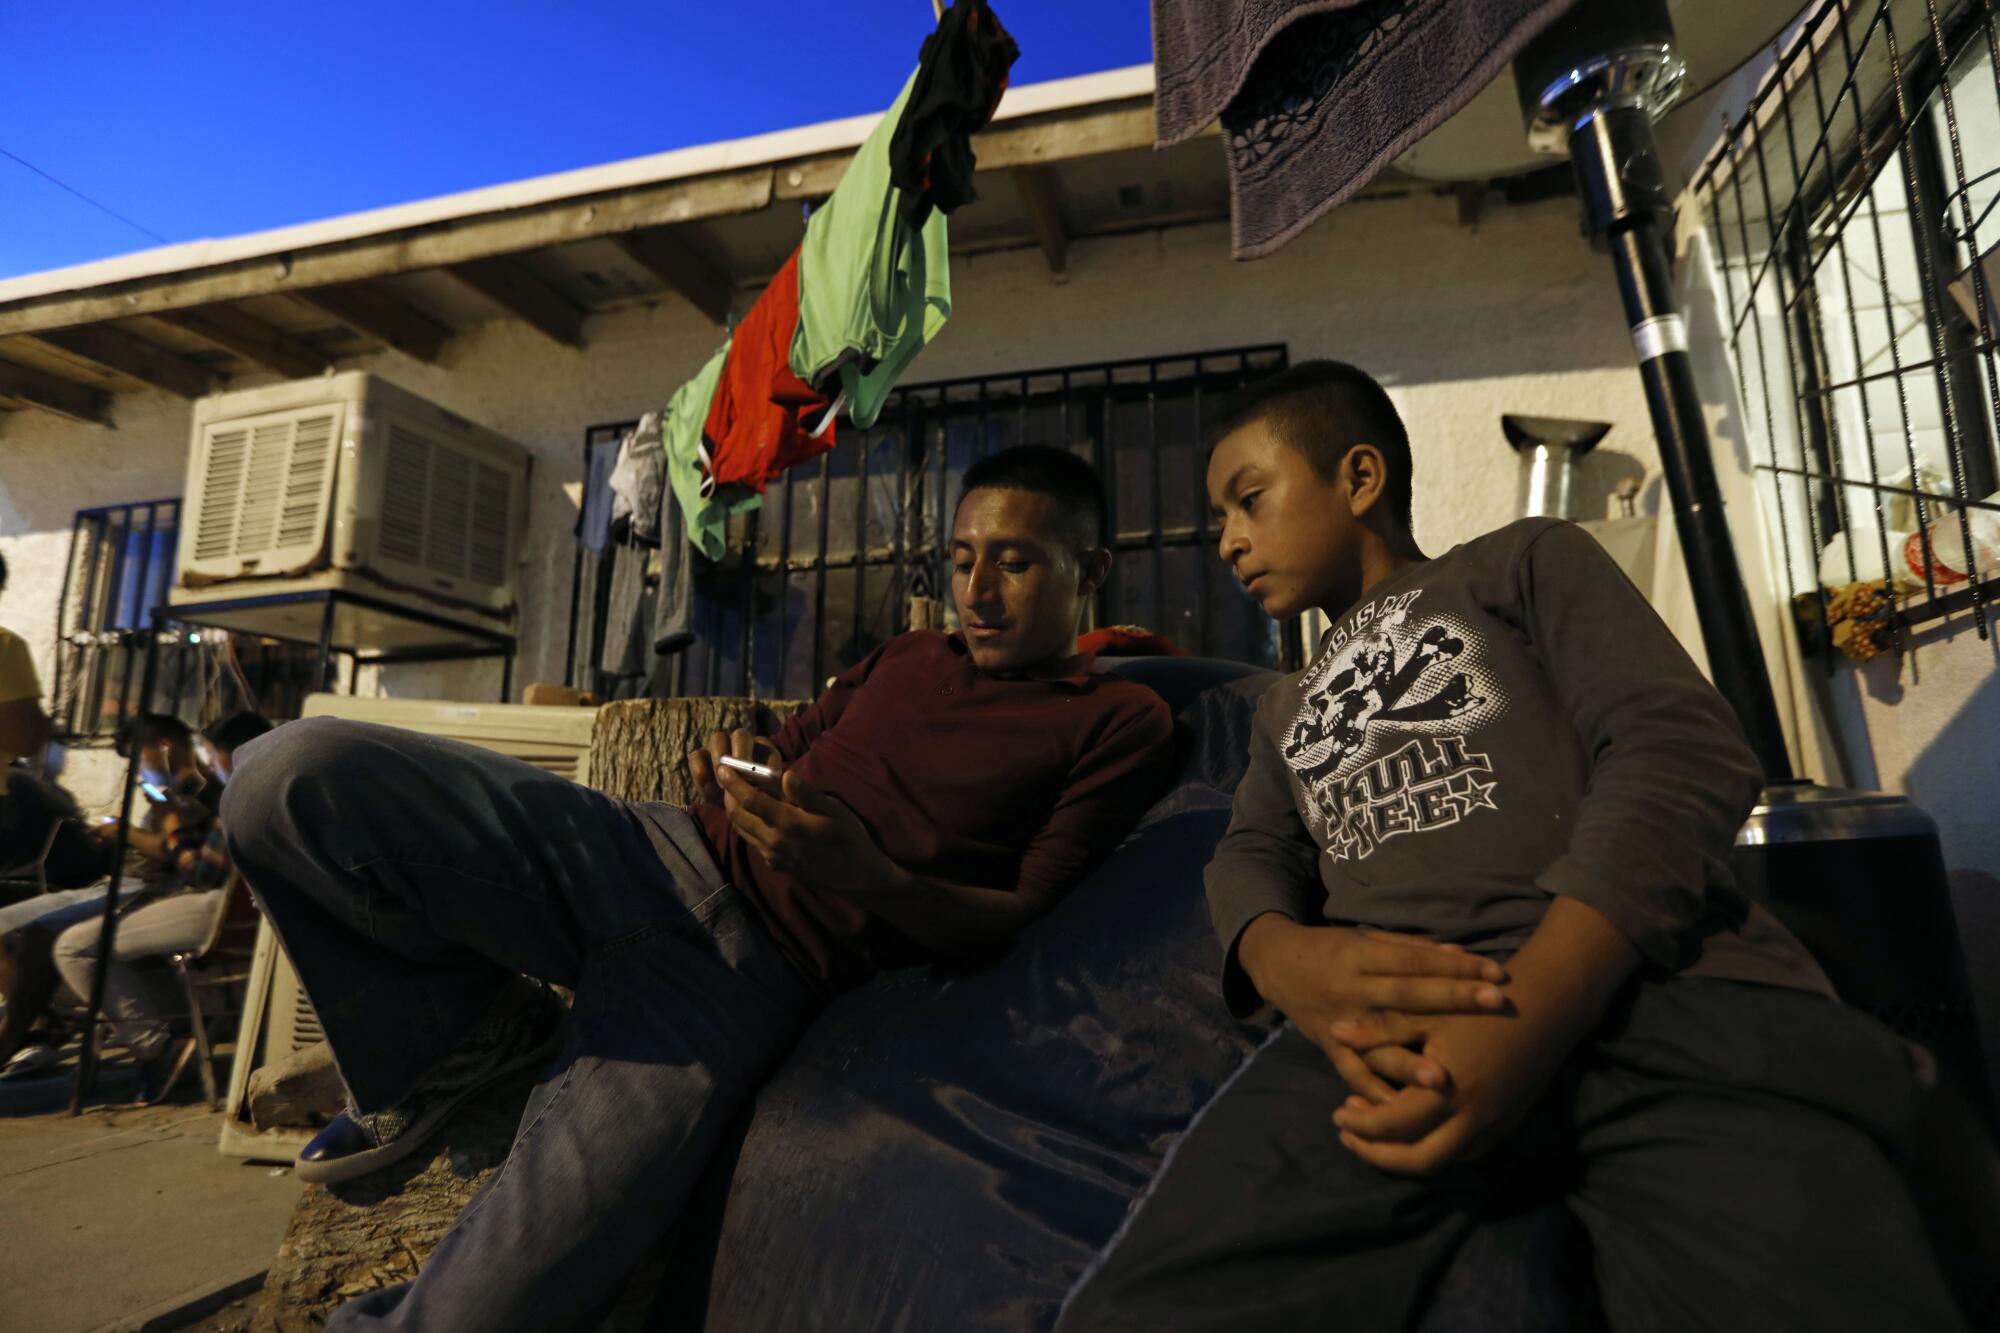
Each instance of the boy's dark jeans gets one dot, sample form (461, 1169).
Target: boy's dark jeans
(409, 879)
(1721, 1143)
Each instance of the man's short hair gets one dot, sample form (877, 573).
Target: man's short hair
(151, 728)
(236, 730)
(1057, 473)
(1323, 409)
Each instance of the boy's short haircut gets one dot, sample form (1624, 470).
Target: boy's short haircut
(1057, 473)
(1323, 409)
(236, 730)
(149, 729)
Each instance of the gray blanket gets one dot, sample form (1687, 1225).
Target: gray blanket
(1316, 96)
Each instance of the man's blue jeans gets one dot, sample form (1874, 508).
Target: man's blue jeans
(409, 879)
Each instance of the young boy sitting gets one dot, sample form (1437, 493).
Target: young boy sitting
(1502, 754)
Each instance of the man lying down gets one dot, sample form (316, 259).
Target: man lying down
(939, 796)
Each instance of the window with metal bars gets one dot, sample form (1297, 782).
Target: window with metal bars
(121, 564)
(848, 550)
(1852, 216)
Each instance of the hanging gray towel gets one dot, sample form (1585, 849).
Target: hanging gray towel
(625, 613)
(673, 603)
(1316, 96)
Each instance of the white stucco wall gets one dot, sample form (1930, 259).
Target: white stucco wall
(1463, 323)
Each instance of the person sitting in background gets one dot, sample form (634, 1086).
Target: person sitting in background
(171, 916)
(45, 842)
(29, 807)
(31, 1036)
(74, 864)
(24, 727)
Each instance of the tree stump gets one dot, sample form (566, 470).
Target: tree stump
(349, 1239)
(346, 1240)
(639, 747)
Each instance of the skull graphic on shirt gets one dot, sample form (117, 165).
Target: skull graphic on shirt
(1382, 742)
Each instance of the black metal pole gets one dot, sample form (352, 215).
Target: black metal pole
(1618, 171)
(86, 1063)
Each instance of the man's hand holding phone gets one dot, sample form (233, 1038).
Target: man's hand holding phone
(755, 760)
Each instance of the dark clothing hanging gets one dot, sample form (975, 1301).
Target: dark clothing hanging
(673, 601)
(593, 519)
(958, 86)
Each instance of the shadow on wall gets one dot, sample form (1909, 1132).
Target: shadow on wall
(1708, 335)
(1598, 477)
(1957, 779)
(1958, 769)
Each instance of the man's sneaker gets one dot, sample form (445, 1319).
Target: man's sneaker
(519, 1032)
(31, 1060)
(159, 1076)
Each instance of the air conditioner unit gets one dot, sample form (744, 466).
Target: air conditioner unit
(349, 483)
(277, 1017)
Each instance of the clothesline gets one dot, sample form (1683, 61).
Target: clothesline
(813, 348)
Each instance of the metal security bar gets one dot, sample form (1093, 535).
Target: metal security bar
(845, 550)
(121, 565)
(121, 560)
(1851, 213)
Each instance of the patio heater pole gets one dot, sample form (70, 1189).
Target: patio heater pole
(1592, 86)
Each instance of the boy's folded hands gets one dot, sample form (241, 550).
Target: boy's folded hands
(1324, 976)
(1497, 1063)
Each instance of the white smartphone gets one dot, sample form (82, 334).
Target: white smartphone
(745, 766)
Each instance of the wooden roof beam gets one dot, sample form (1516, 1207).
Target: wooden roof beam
(380, 315)
(131, 355)
(250, 338)
(1030, 141)
(59, 397)
(1041, 199)
(515, 288)
(667, 257)
(407, 250)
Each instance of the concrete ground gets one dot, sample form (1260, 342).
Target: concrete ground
(110, 1218)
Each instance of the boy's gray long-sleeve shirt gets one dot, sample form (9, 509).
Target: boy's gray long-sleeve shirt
(1482, 732)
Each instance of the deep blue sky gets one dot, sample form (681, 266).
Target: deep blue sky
(203, 118)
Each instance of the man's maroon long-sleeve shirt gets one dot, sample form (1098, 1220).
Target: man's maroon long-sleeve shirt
(993, 781)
